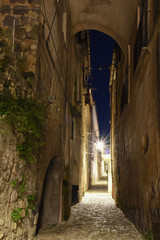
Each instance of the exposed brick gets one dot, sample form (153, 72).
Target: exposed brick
(1, 235)
(5, 9)
(20, 10)
(33, 34)
(20, 33)
(18, 47)
(24, 20)
(8, 21)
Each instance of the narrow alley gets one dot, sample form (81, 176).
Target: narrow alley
(79, 103)
(96, 218)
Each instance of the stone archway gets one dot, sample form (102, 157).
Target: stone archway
(114, 18)
(101, 28)
(50, 207)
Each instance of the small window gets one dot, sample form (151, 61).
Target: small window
(142, 33)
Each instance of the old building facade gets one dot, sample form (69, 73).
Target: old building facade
(134, 86)
(44, 67)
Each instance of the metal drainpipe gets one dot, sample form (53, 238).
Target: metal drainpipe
(13, 39)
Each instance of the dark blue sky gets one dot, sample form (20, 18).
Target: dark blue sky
(101, 56)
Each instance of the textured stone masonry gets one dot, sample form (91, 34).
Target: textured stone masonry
(26, 15)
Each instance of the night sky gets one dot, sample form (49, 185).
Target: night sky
(101, 56)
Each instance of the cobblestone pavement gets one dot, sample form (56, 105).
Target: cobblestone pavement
(95, 218)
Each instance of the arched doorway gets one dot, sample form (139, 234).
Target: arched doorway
(50, 207)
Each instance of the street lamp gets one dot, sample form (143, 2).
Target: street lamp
(99, 145)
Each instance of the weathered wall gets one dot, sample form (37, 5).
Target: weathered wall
(51, 85)
(44, 66)
(81, 122)
(136, 143)
(17, 77)
(26, 16)
(12, 168)
(48, 85)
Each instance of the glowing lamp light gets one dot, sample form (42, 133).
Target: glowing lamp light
(100, 145)
(107, 151)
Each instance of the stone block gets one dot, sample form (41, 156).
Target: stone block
(19, 232)
(34, 1)
(34, 47)
(21, 204)
(33, 34)
(20, 33)
(1, 235)
(35, 22)
(35, 219)
(36, 10)
(24, 20)
(5, 9)
(18, 48)
(32, 232)
(1, 222)
(19, 1)
(3, 198)
(8, 21)
(14, 196)
(20, 10)
(14, 226)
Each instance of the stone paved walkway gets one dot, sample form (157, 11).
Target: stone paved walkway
(95, 218)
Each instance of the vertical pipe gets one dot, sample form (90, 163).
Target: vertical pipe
(13, 39)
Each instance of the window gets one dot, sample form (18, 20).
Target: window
(142, 32)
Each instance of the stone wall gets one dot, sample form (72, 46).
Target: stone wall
(40, 65)
(32, 73)
(136, 143)
(26, 16)
(17, 79)
(12, 169)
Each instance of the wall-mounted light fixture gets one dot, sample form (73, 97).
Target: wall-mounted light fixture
(100, 146)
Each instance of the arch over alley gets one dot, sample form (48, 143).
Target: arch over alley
(111, 17)
(44, 58)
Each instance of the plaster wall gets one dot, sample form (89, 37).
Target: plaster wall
(135, 150)
(114, 18)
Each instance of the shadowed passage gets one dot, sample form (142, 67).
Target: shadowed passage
(95, 218)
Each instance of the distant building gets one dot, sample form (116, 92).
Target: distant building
(95, 138)
(45, 56)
